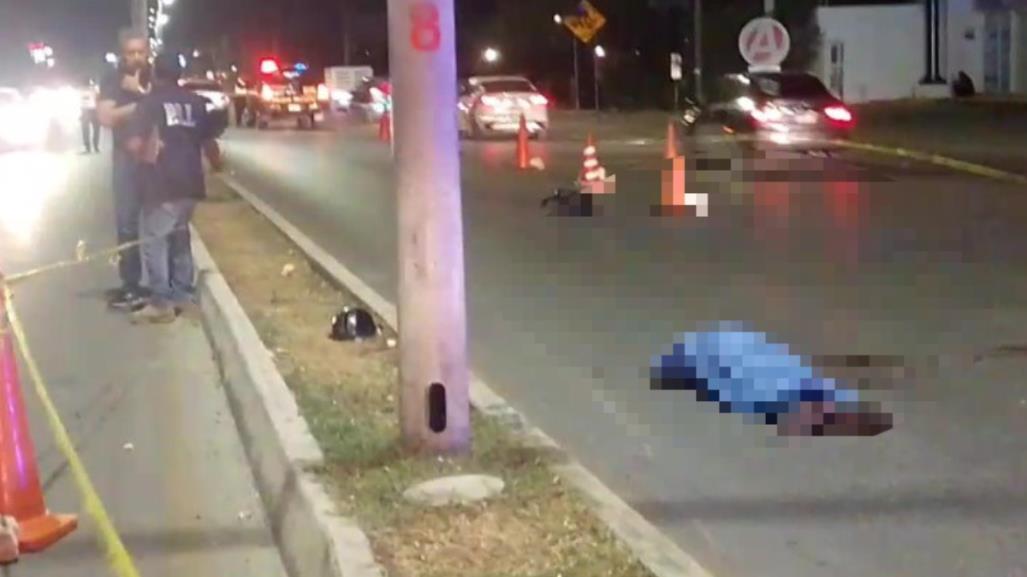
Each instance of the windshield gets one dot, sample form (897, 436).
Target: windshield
(493, 86)
(791, 86)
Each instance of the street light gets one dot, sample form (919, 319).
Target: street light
(491, 55)
(576, 89)
(600, 54)
(196, 53)
(111, 58)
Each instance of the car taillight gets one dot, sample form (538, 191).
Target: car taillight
(266, 93)
(322, 93)
(838, 113)
(539, 100)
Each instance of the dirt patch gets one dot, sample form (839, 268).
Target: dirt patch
(538, 527)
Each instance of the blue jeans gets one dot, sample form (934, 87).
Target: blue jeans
(167, 251)
(128, 192)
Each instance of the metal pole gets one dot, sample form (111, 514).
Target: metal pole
(139, 14)
(577, 75)
(595, 74)
(346, 15)
(434, 378)
(768, 7)
(698, 52)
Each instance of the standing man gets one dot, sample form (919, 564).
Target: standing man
(90, 121)
(119, 94)
(170, 134)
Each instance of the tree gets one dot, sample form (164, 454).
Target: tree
(800, 17)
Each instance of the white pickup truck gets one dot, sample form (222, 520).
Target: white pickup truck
(342, 81)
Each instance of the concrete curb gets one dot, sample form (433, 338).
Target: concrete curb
(312, 540)
(658, 553)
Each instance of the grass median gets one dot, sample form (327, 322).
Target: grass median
(538, 527)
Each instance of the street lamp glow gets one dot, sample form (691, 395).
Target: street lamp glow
(557, 19)
(196, 53)
(491, 55)
(600, 52)
(182, 61)
(111, 58)
(168, 3)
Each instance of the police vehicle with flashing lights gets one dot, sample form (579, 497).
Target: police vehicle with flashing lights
(286, 94)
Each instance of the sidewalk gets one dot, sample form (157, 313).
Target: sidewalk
(986, 132)
(144, 405)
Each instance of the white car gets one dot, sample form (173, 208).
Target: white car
(22, 124)
(494, 105)
(220, 102)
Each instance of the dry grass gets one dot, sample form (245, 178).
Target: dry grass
(537, 528)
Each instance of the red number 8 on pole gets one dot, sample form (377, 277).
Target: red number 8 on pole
(425, 34)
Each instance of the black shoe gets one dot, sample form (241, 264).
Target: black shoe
(128, 300)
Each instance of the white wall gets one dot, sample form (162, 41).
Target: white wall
(965, 49)
(1019, 57)
(884, 49)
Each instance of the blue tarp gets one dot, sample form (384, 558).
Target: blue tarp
(744, 373)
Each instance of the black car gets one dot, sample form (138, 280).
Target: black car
(791, 110)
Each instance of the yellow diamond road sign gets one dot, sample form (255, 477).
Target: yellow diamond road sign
(586, 26)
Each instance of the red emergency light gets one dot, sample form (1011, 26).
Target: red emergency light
(269, 66)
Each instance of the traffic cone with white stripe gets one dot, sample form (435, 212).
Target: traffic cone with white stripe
(21, 495)
(592, 170)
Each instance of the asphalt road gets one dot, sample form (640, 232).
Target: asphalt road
(143, 405)
(847, 256)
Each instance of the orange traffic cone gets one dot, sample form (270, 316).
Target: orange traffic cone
(672, 142)
(591, 170)
(385, 127)
(523, 162)
(674, 185)
(21, 495)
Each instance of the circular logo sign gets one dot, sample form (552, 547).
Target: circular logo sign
(764, 43)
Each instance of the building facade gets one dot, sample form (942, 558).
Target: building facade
(916, 49)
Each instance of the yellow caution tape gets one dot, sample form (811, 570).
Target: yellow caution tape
(117, 555)
(79, 260)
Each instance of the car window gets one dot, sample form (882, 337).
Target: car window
(791, 86)
(514, 85)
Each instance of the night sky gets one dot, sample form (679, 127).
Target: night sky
(638, 38)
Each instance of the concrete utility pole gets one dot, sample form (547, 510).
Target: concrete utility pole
(139, 14)
(768, 7)
(434, 378)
